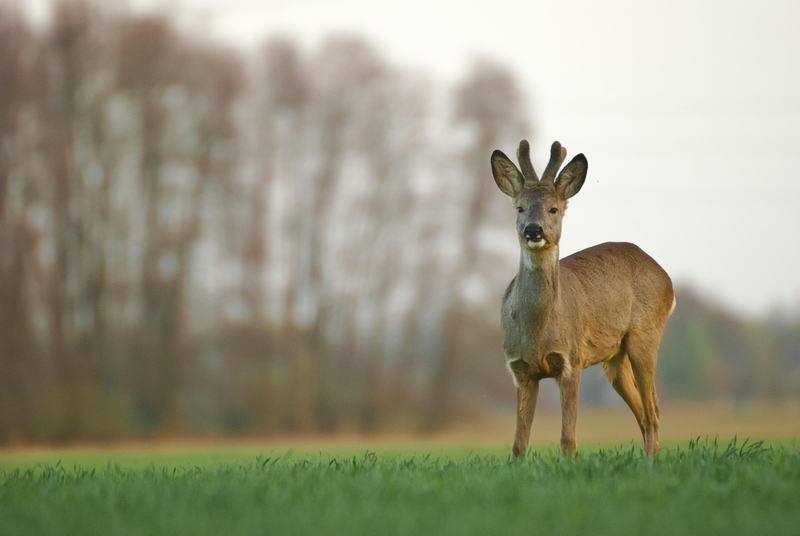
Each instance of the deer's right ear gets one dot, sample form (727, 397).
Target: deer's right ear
(506, 175)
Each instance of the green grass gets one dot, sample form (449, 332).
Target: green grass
(700, 488)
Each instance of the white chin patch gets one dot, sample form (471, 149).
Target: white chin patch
(535, 244)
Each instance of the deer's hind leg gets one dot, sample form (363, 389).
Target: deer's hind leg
(619, 373)
(642, 350)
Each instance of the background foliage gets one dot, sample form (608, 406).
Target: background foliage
(197, 241)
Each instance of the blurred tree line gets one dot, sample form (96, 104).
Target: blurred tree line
(195, 241)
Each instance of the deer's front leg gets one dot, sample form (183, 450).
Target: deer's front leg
(569, 383)
(527, 393)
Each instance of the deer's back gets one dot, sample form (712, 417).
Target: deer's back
(617, 282)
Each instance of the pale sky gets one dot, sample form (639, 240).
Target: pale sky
(687, 110)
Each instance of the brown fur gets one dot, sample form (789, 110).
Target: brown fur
(607, 304)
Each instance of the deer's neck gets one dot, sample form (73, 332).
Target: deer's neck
(533, 304)
(537, 292)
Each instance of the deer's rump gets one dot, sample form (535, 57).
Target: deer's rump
(615, 288)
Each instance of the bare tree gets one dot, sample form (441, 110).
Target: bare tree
(21, 74)
(184, 96)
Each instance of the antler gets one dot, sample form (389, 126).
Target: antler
(524, 157)
(557, 156)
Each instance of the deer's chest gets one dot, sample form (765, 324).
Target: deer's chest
(531, 342)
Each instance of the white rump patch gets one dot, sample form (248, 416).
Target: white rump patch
(513, 376)
(566, 371)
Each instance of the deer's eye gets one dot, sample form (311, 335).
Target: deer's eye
(554, 210)
(520, 210)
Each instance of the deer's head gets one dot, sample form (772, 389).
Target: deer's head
(540, 204)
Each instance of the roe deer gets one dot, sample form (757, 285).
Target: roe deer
(606, 304)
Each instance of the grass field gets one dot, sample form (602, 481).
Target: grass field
(702, 486)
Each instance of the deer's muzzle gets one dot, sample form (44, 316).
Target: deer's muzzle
(534, 235)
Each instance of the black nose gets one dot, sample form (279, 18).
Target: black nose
(533, 232)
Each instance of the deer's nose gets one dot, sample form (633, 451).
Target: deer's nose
(533, 231)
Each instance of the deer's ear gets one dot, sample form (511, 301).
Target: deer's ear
(571, 178)
(506, 175)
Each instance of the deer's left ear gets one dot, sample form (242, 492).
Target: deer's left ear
(571, 178)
